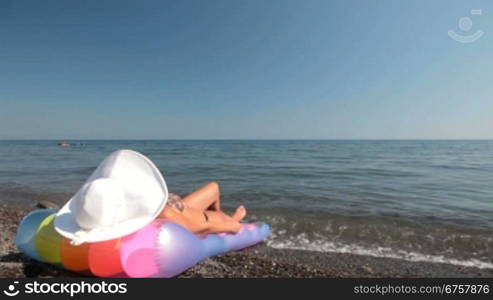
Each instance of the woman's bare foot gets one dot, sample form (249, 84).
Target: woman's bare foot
(240, 213)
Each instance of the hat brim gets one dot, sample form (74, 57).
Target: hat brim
(66, 225)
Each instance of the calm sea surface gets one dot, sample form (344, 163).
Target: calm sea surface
(416, 200)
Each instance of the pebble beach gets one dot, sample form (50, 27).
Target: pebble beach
(259, 261)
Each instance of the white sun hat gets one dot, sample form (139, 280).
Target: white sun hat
(125, 193)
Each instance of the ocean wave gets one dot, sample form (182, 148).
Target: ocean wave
(381, 237)
(302, 243)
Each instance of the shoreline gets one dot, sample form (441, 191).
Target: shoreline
(256, 261)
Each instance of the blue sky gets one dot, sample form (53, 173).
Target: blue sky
(282, 69)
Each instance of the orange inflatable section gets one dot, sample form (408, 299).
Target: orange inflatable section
(104, 259)
(75, 258)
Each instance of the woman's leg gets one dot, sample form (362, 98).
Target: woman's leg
(219, 216)
(204, 198)
(207, 198)
(239, 214)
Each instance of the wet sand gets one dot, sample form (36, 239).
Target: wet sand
(257, 261)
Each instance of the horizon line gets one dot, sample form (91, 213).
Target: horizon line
(252, 139)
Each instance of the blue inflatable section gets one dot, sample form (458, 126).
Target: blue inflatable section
(26, 232)
(176, 243)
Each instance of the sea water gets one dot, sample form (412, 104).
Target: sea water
(415, 200)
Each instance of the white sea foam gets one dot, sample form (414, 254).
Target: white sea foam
(302, 243)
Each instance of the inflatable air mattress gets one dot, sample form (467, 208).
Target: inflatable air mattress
(161, 249)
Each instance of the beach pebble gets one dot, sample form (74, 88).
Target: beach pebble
(47, 204)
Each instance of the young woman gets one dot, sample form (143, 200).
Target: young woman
(200, 211)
